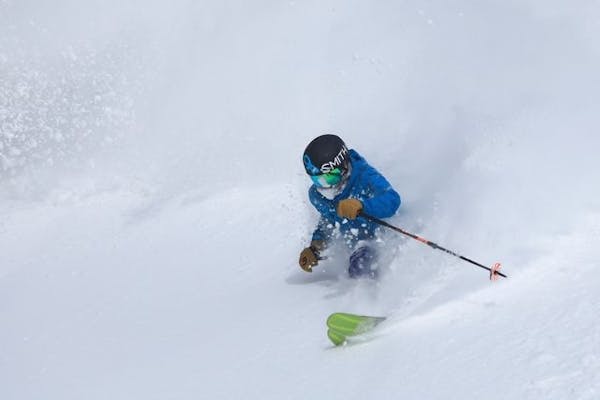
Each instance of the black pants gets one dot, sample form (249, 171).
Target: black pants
(362, 263)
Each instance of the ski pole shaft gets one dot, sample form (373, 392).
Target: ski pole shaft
(493, 271)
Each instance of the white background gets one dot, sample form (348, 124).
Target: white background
(153, 200)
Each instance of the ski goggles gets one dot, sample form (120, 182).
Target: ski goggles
(329, 179)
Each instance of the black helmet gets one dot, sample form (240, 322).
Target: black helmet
(324, 154)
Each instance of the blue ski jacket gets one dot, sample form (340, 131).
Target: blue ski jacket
(366, 184)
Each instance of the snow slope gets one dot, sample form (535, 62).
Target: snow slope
(153, 203)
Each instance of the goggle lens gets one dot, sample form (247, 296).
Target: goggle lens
(329, 179)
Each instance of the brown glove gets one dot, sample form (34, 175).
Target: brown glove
(309, 257)
(349, 208)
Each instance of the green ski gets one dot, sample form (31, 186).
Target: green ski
(342, 325)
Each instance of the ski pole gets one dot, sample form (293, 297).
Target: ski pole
(493, 270)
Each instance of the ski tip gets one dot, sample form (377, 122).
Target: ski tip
(332, 318)
(336, 338)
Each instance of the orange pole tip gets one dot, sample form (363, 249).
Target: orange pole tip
(494, 272)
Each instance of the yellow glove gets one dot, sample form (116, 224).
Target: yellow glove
(349, 208)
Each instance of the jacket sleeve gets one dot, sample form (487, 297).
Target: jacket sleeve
(383, 201)
(324, 230)
(325, 207)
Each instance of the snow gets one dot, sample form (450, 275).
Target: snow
(153, 202)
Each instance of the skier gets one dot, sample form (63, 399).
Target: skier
(344, 185)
